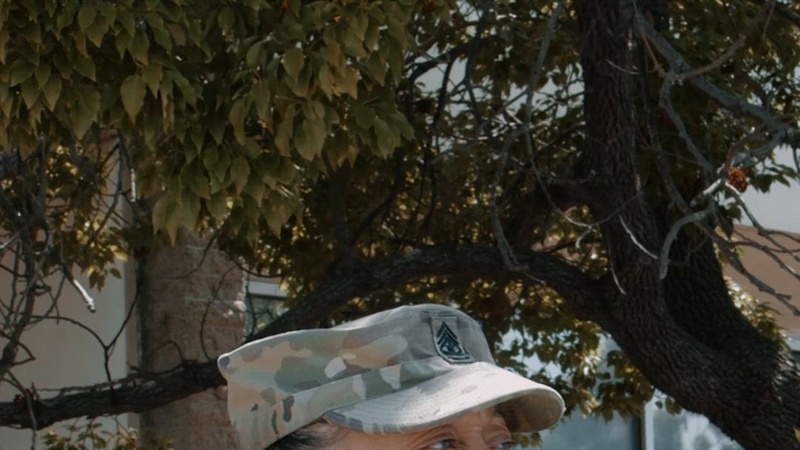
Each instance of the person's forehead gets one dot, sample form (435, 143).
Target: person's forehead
(477, 427)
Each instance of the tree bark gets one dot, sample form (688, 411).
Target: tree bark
(684, 332)
(188, 312)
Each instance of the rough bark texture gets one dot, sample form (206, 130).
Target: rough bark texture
(684, 332)
(188, 314)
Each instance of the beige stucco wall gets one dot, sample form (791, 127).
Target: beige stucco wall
(67, 355)
(770, 272)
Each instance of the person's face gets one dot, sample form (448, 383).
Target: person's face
(482, 430)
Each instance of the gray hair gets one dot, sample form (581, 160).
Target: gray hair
(321, 434)
(315, 436)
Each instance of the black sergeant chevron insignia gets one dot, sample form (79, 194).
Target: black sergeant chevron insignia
(448, 345)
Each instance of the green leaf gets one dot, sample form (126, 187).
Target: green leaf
(217, 130)
(348, 82)
(21, 70)
(85, 66)
(188, 210)
(325, 78)
(283, 136)
(161, 35)
(376, 68)
(275, 213)
(210, 158)
(385, 141)
(152, 75)
(4, 37)
(300, 86)
(80, 43)
(372, 36)
(220, 171)
(217, 205)
(42, 74)
(286, 171)
(84, 112)
(5, 108)
(255, 54)
(108, 11)
(364, 115)
(353, 46)
(236, 119)
(164, 216)
(86, 16)
(123, 43)
(186, 88)
(226, 18)
(29, 92)
(127, 20)
(97, 31)
(199, 185)
(261, 98)
(132, 92)
(359, 26)
(310, 138)
(293, 62)
(255, 188)
(240, 171)
(332, 53)
(139, 47)
(177, 34)
(314, 110)
(51, 91)
(398, 122)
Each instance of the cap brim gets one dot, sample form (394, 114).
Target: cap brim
(468, 388)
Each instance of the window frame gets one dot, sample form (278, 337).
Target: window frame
(259, 291)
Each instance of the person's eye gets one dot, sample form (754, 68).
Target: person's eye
(507, 445)
(443, 444)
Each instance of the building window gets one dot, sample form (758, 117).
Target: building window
(579, 432)
(684, 431)
(794, 343)
(591, 433)
(265, 300)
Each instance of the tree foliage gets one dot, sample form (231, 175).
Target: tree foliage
(543, 164)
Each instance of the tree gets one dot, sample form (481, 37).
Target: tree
(565, 169)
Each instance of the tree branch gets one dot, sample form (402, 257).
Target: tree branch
(784, 133)
(145, 391)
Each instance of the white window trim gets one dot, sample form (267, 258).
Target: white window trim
(793, 339)
(265, 289)
(648, 427)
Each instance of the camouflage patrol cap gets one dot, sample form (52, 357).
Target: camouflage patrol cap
(405, 369)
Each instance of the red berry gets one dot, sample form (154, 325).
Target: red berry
(737, 178)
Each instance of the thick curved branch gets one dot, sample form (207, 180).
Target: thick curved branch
(141, 392)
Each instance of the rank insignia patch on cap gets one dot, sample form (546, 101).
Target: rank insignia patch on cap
(447, 342)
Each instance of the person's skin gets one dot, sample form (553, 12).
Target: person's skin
(482, 430)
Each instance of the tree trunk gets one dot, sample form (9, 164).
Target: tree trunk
(684, 333)
(189, 315)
